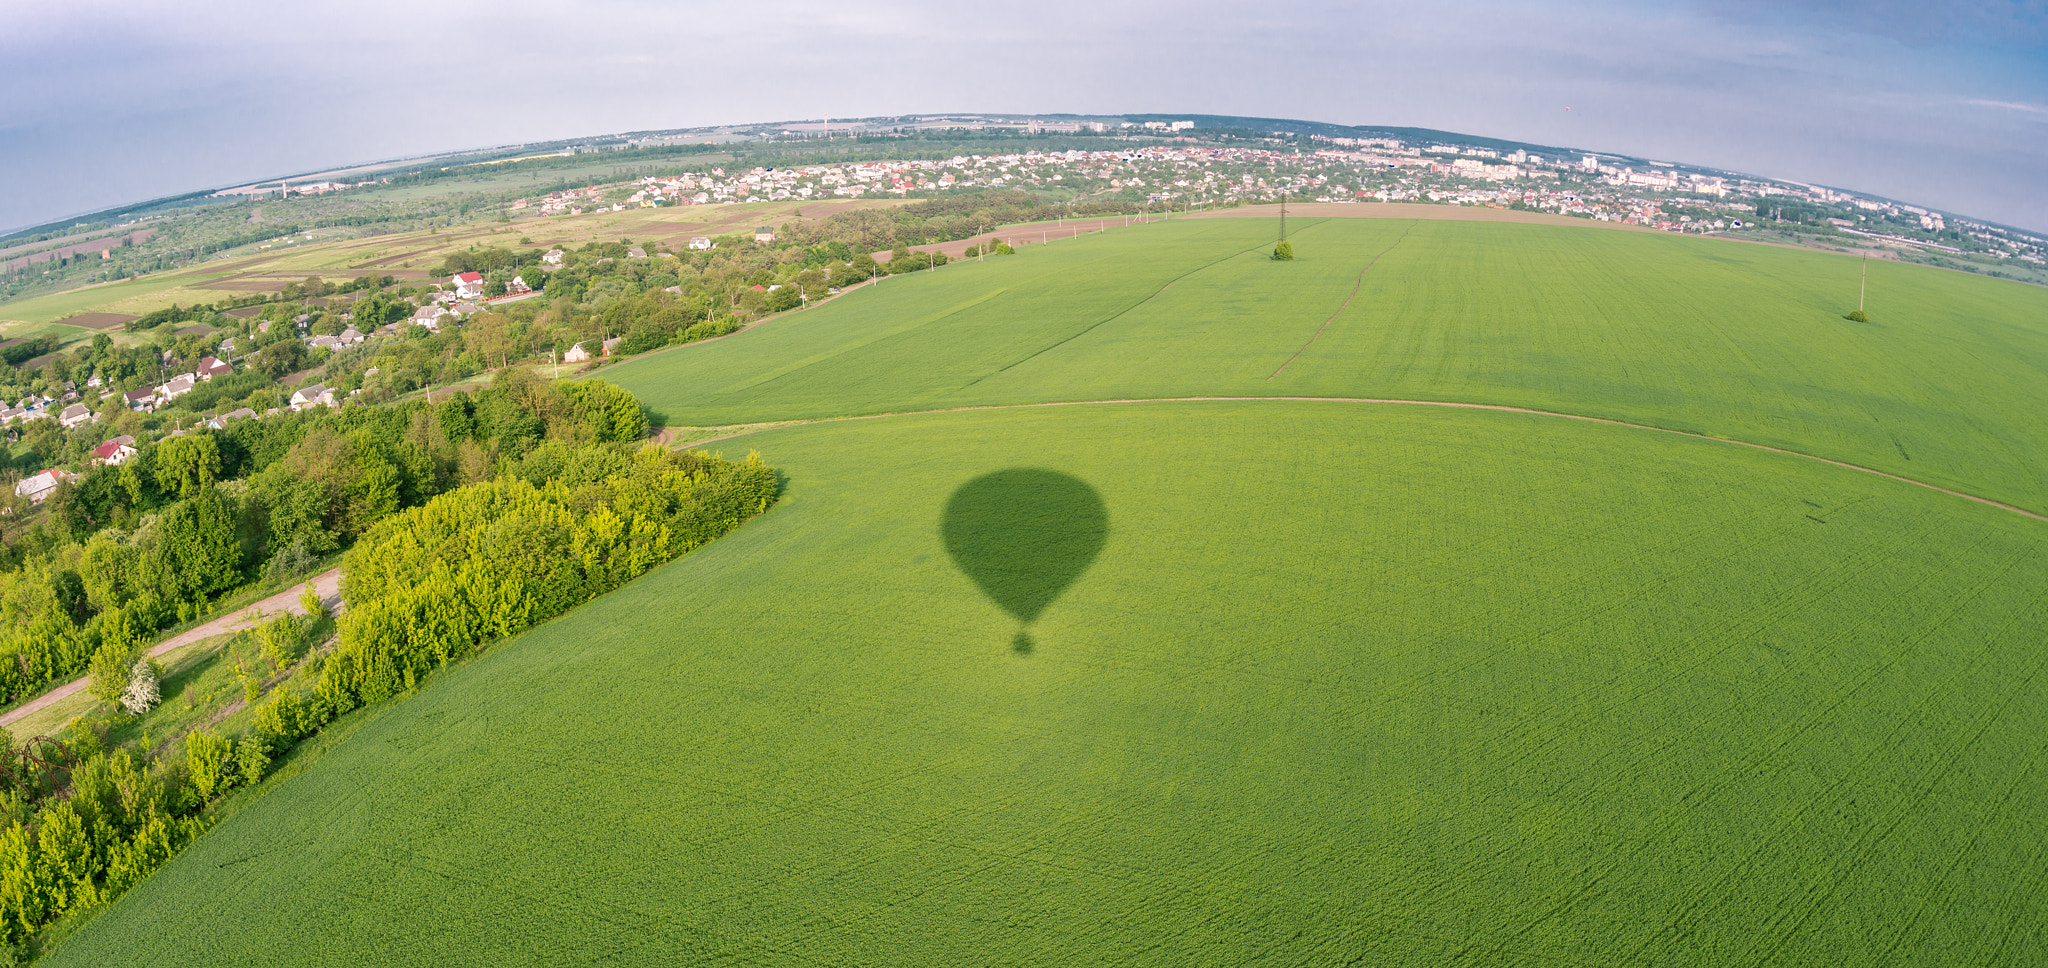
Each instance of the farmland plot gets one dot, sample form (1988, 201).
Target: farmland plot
(1338, 684)
(1695, 334)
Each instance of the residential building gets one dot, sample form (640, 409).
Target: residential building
(212, 367)
(430, 316)
(36, 487)
(115, 451)
(316, 395)
(468, 285)
(74, 415)
(221, 422)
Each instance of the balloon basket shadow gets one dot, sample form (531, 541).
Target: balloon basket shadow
(1022, 644)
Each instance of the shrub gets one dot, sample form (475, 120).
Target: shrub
(252, 757)
(1857, 316)
(109, 672)
(1283, 252)
(141, 693)
(206, 757)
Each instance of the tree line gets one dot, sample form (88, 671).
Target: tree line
(427, 586)
(126, 550)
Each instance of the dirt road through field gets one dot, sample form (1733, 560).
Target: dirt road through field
(328, 583)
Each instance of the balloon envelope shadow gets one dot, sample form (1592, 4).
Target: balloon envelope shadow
(1024, 535)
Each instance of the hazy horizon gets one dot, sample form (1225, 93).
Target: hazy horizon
(1945, 107)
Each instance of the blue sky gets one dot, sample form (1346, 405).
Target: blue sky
(103, 103)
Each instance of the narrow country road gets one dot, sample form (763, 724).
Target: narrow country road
(328, 583)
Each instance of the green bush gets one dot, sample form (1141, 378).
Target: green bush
(1284, 252)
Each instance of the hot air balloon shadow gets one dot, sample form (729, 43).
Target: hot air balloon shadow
(1024, 535)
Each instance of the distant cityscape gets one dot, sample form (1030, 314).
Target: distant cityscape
(1180, 164)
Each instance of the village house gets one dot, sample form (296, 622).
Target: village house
(430, 316)
(178, 386)
(552, 259)
(211, 367)
(74, 415)
(316, 395)
(221, 422)
(143, 399)
(764, 235)
(576, 354)
(115, 451)
(38, 486)
(518, 285)
(700, 243)
(468, 285)
(351, 336)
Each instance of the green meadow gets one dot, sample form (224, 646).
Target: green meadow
(1220, 682)
(1745, 341)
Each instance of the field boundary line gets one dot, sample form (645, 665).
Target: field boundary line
(1355, 284)
(1385, 401)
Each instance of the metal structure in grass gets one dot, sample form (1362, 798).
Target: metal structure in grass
(1024, 535)
(1283, 250)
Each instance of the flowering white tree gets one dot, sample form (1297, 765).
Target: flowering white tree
(142, 690)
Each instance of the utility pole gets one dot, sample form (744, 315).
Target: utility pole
(1864, 285)
(1283, 217)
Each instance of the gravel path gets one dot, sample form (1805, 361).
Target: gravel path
(328, 583)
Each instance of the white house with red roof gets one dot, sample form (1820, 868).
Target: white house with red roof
(210, 368)
(468, 285)
(115, 451)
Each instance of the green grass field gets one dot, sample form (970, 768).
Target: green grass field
(1744, 341)
(1214, 683)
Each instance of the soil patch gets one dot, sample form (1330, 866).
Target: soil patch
(1030, 233)
(97, 320)
(137, 237)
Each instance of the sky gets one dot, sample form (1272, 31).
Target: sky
(107, 103)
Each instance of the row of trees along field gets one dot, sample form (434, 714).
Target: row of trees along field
(127, 550)
(89, 813)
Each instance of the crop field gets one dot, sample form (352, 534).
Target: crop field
(1331, 683)
(1693, 334)
(1157, 681)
